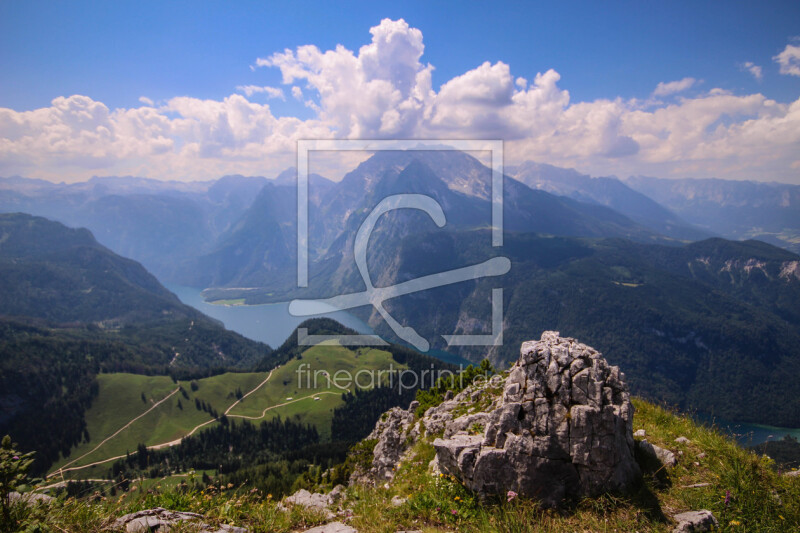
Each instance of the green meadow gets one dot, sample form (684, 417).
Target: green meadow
(131, 409)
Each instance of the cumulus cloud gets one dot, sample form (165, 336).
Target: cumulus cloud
(385, 90)
(146, 101)
(380, 92)
(271, 92)
(789, 60)
(672, 87)
(753, 69)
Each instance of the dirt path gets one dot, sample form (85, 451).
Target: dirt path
(156, 446)
(264, 412)
(120, 430)
(248, 394)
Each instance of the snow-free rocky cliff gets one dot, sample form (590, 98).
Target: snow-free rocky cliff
(558, 425)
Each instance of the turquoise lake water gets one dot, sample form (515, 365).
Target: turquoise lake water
(272, 324)
(268, 323)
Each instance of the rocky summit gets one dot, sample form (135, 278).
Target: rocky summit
(559, 425)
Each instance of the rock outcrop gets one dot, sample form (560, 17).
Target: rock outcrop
(695, 522)
(653, 454)
(30, 498)
(563, 428)
(559, 425)
(162, 520)
(393, 432)
(318, 501)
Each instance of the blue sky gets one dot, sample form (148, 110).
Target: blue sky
(114, 53)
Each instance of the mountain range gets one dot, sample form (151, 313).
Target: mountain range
(768, 212)
(630, 266)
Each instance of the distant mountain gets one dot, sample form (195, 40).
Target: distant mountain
(64, 277)
(712, 326)
(610, 192)
(61, 274)
(161, 224)
(261, 244)
(260, 253)
(768, 212)
(69, 309)
(465, 177)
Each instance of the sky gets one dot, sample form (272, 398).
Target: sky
(197, 90)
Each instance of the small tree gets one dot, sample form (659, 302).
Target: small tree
(14, 467)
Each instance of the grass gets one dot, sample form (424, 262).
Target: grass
(120, 400)
(315, 376)
(758, 499)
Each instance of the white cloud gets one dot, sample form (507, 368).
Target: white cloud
(379, 92)
(753, 69)
(672, 87)
(384, 90)
(271, 92)
(789, 60)
(146, 101)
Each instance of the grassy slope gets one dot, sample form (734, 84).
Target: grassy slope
(302, 387)
(760, 499)
(119, 401)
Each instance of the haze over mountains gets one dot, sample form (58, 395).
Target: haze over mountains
(700, 324)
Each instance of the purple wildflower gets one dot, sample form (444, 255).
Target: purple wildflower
(16, 457)
(511, 495)
(454, 511)
(727, 498)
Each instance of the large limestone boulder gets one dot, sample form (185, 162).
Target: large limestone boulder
(563, 427)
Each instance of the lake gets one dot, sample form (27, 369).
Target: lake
(749, 434)
(272, 324)
(268, 323)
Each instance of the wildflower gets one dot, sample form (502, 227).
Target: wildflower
(269, 496)
(456, 498)
(438, 509)
(16, 457)
(727, 498)
(511, 495)
(781, 517)
(441, 475)
(454, 512)
(734, 523)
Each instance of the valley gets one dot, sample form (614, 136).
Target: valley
(157, 412)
